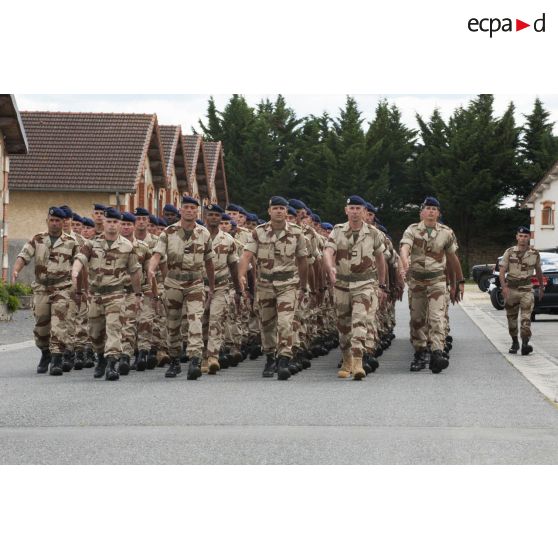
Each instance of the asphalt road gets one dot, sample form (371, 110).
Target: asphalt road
(480, 410)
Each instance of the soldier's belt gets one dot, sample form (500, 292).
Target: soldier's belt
(515, 283)
(110, 289)
(277, 276)
(353, 277)
(185, 276)
(50, 282)
(218, 280)
(427, 275)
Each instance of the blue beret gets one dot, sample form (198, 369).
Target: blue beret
(112, 213)
(297, 204)
(169, 208)
(524, 230)
(291, 210)
(141, 212)
(200, 222)
(316, 218)
(429, 200)
(76, 217)
(226, 217)
(67, 210)
(234, 207)
(190, 199)
(153, 220)
(278, 200)
(99, 207)
(162, 222)
(252, 218)
(128, 217)
(243, 211)
(215, 207)
(327, 226)
(382, 228)
(355, 200)
(88, 222)
(371, 208)
(57, 212)
(261, 221)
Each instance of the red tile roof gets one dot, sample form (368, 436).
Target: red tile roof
(103, 152)
(11, 126)
(217, 184)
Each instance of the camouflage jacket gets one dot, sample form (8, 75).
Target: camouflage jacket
(520, 265)
(355, 259)
(109, 268)
(144, 255)
(53, 263)
(185, 257)
(428, 253)
(226, 253)
(312, 243)
(276, 253)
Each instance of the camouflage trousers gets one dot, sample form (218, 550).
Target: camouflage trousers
(300, 321)
(427, 303)
(276, 307)
(188, 301)
(146, 320)
(50, 309)
(372, 322)
(129, 320)
(214, 319)
(352, 307)
(235, 332)
(105, 326)
(76, 326)
(517, 300)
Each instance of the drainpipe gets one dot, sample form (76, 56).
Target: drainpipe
(5, 203)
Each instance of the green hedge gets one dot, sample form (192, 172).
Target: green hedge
(9, 294)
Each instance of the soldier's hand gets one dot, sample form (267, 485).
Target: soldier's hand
(332, 274)
(14, 276)
(150, 274)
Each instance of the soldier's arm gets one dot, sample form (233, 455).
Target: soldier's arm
(20, 263)
(404, 253)
(381, 266)
(302, 264)
(135, 279)
(210, 270)
(153, 263)
(233, 268)
(243, 267)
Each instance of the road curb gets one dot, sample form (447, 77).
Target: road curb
(538, 368)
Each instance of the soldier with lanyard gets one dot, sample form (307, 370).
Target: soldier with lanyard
(281, 269)
(187, 247)
(519, 262)
(53, 252)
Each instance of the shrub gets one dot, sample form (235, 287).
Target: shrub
(9, 294)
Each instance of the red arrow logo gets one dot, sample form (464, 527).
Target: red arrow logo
(519, 25)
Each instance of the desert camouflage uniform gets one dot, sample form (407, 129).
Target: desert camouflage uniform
(184, 290)
(216, 315)
(51, 288)
(520, 267)
(276, 282)
(354, 262)
(427, 282)
(236, 331)
(109, 281)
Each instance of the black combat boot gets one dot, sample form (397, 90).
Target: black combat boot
(134, 363)
(236, 356)
(112, 372)
(224, 360)
(270, 366)
(174, 368)
(79, 361)
(449, 339)
(378, 352)
(89, 360)
(56, 365)
(141, 360)
(365, 366)
(151, 359)
(194, 369)
(67, 361)
(370, 361)
(101, 365)
(124, 365)
(418, 362)
(526, 349)
(514, 346)
(42, 367)
(184, 353)
(283, 372)
(438, 362)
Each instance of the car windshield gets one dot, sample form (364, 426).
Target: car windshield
(549, 260)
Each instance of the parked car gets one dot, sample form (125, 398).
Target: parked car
(481, 275)
(549, 302)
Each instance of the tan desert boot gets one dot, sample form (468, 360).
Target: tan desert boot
(204, 366)
(213, 365)
(346, 367)
(358, 370)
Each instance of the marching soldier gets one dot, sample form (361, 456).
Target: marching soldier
(171, 214)
(519, 262)
(425, 249)
(354, 245)
(188, 249)
(112, 264)
(54, 252)
(98, 217)
(280, 253)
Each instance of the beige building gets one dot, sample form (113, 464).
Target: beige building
(13, 141)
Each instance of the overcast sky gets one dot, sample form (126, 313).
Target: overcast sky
(188, 109)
